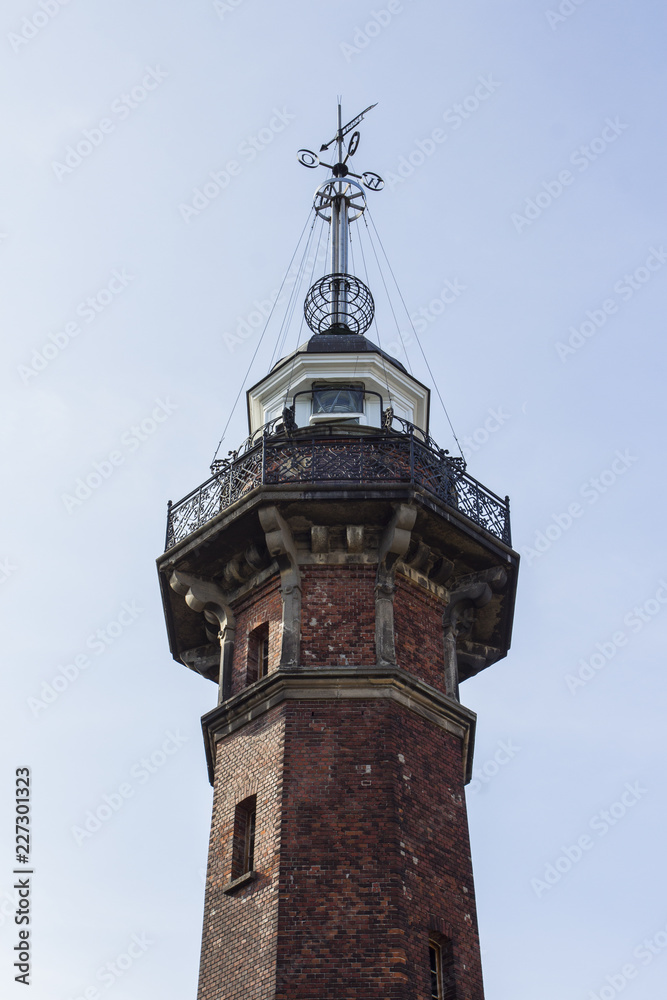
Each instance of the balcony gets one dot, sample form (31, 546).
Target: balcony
(340, 457)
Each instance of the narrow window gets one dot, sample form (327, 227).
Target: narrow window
(262, 657)
(435, 959)
(243, 854)
(441, 959)
(258, 653)
(249, 841)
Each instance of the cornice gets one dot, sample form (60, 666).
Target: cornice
(336, 684)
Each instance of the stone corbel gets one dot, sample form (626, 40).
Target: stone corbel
(422, 559)
(207, 598)
(280, 544)
(474, 656)
(470, 592)
(393, 546)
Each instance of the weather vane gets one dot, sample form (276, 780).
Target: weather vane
(340, 302)
(339, 169)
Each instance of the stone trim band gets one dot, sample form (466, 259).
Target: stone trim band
(338, 683)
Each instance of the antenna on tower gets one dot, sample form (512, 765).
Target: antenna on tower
(339, 302)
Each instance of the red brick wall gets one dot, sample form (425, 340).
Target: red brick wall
(375, 854)
(263, 605)
(418, 632)
(338, 623)
(238, 958)
(362, 842)
(338, 615)
(361, 850)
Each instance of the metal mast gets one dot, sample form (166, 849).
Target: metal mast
(339, 302)
(339, 237)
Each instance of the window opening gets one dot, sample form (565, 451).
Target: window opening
(435, 960)
(243, 853)
(258, 653)
(441, 959)
(262, 657)
(338, 399)
(249, 842)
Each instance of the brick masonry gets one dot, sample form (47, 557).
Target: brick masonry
(263, 605)
(374, 855)
(338, 615)
(239, 940)
(338, 623)
(419, 633)
(362, 844)
(362, 850)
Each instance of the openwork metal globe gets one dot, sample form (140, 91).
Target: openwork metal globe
(339, 303)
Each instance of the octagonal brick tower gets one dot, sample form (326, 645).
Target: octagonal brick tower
(337, 580)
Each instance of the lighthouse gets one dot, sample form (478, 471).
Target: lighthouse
(337, 578)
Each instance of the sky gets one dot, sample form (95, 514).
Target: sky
(522, 147)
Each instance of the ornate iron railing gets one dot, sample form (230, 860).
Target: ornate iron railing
(388, 457)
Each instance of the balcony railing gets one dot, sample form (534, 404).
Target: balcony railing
(384, 457)
(390, 457)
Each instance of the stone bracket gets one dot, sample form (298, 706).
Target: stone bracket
(280, 544)
(470, 592)
(354, 535)
(207, 598)
(495, 576)
(244, 566)
(393, 546)
(319, 538)
(475, 656)
(204, 660)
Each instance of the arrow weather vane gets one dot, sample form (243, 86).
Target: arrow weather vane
(339, 169)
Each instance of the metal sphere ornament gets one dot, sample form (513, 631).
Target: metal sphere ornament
(339, 303)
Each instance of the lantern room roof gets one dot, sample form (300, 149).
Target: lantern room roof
(340, 343)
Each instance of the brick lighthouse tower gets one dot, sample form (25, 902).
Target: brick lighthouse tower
(337, 578)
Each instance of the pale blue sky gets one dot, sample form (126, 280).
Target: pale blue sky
(168, 295)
